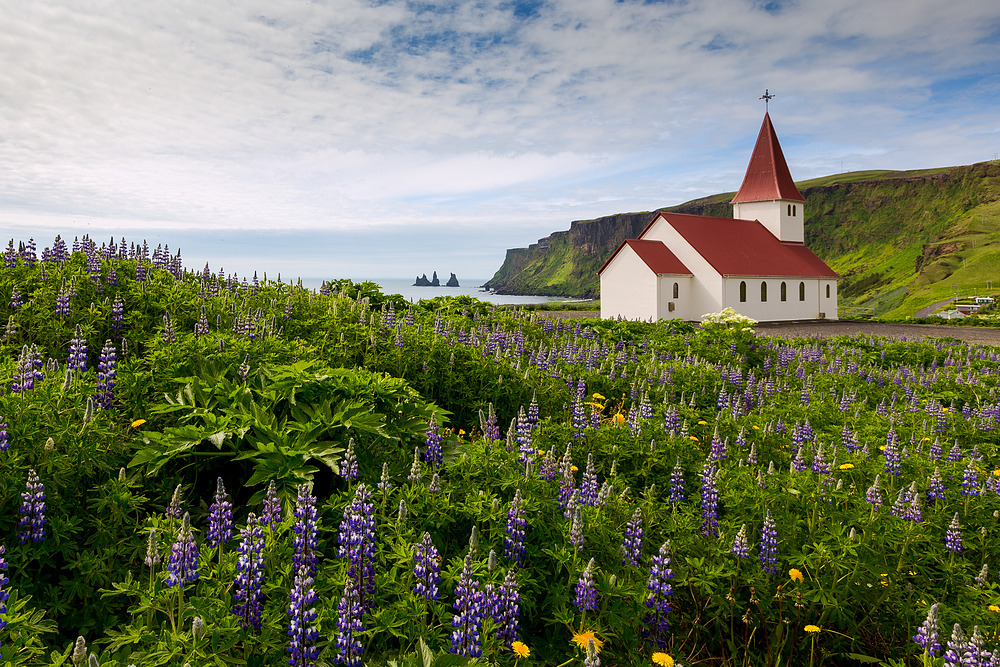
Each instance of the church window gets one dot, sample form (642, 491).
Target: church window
(743, 291)
(677, 290)
(794, 207)
(827, 291)
(789, 209)
(763, 291)
(802, 291)
(784, 292)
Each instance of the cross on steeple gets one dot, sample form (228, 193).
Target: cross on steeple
(767, 97)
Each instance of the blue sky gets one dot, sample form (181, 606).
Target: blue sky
(390, 138)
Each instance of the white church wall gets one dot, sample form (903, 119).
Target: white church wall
(628, 288)
(776, 310)
(681, 303)
(783, 218)
(706, 287)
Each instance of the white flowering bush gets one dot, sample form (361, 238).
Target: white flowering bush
(725, 319)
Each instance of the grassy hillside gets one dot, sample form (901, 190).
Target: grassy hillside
(900, 240)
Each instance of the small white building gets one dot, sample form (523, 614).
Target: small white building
(683, 266)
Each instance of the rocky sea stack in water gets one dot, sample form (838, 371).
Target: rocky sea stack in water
(422, 281)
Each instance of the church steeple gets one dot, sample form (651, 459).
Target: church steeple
(768, 193)
(767, 176)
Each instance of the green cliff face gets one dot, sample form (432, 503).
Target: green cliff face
(899, 240)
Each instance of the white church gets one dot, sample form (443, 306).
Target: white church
(684, 266)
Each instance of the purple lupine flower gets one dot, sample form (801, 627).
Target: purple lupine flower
(935, 487)
(306, 529)
(953, 537)
(117, 317)
(900, 507)
(25, 375)
(302, 618)
(507, 609)
(658, 601)
(769, 545)
(568, 482)
(249, 595)
(272, 513)
(470, 609)
(169, 335)
(4, 437)
(349, 466)
(16, 298)
(4, 595)
(632, 544)
(799, 462)
(677, 483)
(576, 528)
(586, 594)
(976, 654)
(490, 428)
(183, 564)
(892, 457)
(717, 449)
(533, 410)
(820, 465)
(525, 437)
(357, 543)
(32, 523)
(107, 374)
(874, 494)
(741, 545)
(433, 454)
(513, 541)
(956, 647)
(914, 512)
(709, 500)
(77, 360)
(927, 633)
(220, 518)
(173, 510)
(955, 453)
(201, 326)
(934, 454)
(970, 479)
(579, 417)
(350, 625)
(588, 484)
(548, 469)
(426, 568)
(62, 302)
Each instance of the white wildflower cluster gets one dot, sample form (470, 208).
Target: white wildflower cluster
(727, 318)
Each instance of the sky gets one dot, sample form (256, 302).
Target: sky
(390, 138)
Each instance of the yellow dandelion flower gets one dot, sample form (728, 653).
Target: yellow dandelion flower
(581, 639)
(796, 575)
(461, 431)
(811, 628)
(996, 473)
(520, 649)
(702, 422)
(756, 428)
(846, 466)
(573, 468)
(541, 452)
(138, 422)
(693, 438)
(881, 448)
(619, 418)
(993, 607)
(926, 439)
(597, 397)
(662, 659)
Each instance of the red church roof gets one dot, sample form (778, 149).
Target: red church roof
(767, 174)
(656, 256)
(744, 247)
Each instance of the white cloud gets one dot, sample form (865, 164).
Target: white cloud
(358, 115)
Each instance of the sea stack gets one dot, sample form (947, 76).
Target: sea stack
(453, 281)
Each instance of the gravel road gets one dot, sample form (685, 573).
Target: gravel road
(823, 328)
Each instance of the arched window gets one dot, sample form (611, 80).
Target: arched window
(794, 207)
(802, 291)
(743, 291)
(763, 291)
(784, 291)
(827, 291)
(677, 290)
(789, 209)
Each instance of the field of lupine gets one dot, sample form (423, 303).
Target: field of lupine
(197, 469)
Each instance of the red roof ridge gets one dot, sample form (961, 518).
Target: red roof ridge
(654, 254)
(767, 176)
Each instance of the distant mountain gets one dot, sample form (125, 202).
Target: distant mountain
(900, 240)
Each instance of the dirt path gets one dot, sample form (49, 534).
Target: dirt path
(821, 329)
(927, 310)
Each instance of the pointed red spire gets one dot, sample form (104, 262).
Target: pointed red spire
(767, 175)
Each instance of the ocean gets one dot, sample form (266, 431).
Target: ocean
(469, 286)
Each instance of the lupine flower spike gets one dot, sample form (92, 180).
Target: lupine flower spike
(32, 523)
(927, 634)
(470, 609)
(272, 513)
(220, 518)
(183, 563)
(249, 595)
(586, 594)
